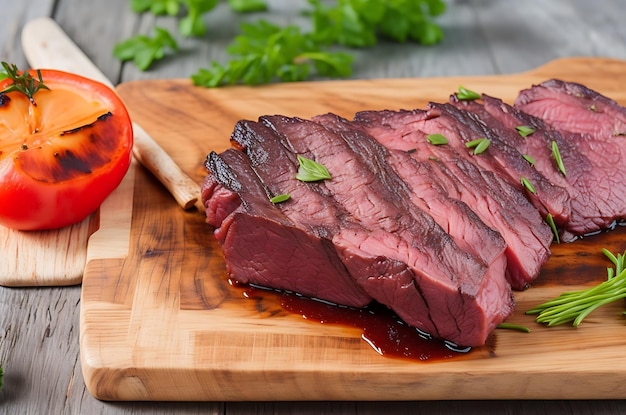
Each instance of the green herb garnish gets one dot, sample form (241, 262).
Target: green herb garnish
(144, 50)
(247, 6)
(525, 130)
(296, 55)
(511, 326)
(191, 13)
(529, 159)
(280, 198)
(465, 94)
(311, 171)
(437, 139)
(528, 185)
(266, 52)
(479, 145)
(359, 23)
(557, 157)
(575, 306)
(24, 83)
(550, 221)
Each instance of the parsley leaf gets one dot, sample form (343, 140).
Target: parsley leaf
(359, 23)
(265, 52)
(144, 50)
(255, 53)
(247, 6)
(193, 24)
(156, 7)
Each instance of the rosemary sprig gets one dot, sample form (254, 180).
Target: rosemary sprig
(574, 306)
(311, 171)
(24, 83)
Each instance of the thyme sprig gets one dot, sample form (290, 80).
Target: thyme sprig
(574, 306)
(24, 82)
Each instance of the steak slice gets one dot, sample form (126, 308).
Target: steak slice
(596, 196)
(262, 245)
(573, 107)
(495, 201)
(400, 256)
(426, 192)
(500, 158)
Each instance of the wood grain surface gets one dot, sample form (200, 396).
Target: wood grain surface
(163, 322)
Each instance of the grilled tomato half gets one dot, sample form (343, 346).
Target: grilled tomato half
(65, 145)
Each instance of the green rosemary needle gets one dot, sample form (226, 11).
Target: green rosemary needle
(575, 306)
(555, 232)
(557, 157)
(280, 198)
(465, 94)
(479, 145)
(528, 185)
(437, 139)
(525, 130)
(511, 326)
(529, 159)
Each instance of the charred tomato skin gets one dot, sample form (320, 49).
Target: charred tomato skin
(60, 158)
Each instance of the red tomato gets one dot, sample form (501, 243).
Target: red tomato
(60, 158)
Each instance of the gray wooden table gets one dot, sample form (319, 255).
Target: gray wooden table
(39, 326)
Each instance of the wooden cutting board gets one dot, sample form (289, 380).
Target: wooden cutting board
(163, 323)
(58, 257)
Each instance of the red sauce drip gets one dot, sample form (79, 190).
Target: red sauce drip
(386, 333)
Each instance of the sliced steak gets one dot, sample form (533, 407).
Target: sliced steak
(573, 107)
(596, 195)
(426, 192)
(500, 158)
(262, 245)
(498, 204)
(400, 256)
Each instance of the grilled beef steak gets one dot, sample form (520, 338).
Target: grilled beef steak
(596, 197)
(434, 231)
(494, 200)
